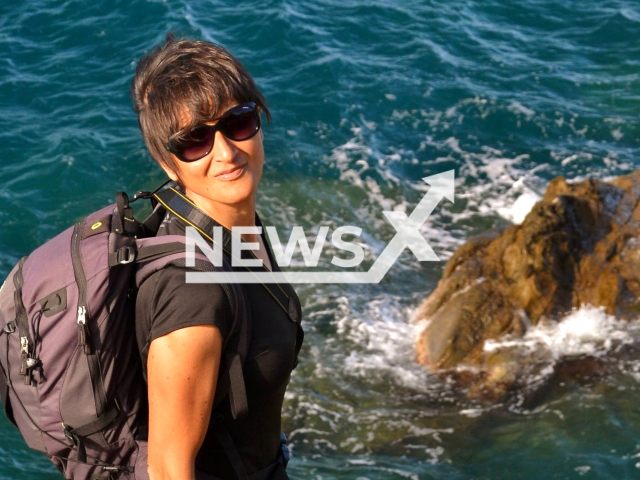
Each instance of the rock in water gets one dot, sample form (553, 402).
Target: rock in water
(579, 245)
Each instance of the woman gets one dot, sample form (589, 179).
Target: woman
(180, 90)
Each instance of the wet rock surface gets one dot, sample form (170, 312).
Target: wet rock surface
(578, 246)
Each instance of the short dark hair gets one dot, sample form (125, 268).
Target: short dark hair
(191, 77)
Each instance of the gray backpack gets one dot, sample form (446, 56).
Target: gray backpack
(70, 369)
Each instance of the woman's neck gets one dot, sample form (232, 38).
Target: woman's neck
(229, 216)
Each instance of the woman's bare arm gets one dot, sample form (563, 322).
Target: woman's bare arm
(182, 371)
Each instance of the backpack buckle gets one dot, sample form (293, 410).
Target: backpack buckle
(9, 328)
(70, 436)
(141, 194)
(125, 255)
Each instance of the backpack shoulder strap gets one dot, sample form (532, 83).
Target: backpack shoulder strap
(236, 352)
(296, 313)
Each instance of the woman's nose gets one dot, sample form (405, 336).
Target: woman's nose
(223, 149)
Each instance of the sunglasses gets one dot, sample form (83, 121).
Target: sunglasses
(239, 123)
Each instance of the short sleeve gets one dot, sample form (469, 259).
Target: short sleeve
(167, 303)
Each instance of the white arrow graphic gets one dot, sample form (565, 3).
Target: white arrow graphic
(407, 235)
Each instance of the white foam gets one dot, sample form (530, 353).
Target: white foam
(369, 170)
(517, 107)
(569, 159)
(520, 208)
(617, 134)
(587, 330)
(386, 343)
(582, 470)
(506, 192)
(500, 186)
(489, 183)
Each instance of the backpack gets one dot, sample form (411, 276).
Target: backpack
(70, 371)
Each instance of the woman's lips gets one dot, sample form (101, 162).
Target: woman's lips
(233, 174)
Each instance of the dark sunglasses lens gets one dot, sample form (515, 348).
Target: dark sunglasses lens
(197, 145)
(242, 126)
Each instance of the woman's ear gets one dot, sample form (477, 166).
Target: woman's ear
(172, 175)
(261, 134)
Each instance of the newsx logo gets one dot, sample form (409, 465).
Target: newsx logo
(407, 235)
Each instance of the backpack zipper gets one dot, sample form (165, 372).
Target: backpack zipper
(27, 347)
(84, 334)
(81, 280)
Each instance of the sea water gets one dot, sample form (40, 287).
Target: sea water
(367, 99)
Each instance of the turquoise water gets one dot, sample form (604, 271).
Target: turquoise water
(367, 98)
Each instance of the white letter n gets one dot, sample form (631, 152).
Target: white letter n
(193, 238)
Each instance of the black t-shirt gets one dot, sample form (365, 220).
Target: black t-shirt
(166, 303)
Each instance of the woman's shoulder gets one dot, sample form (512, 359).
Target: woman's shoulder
(166, 302)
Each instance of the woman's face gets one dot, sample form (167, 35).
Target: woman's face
(229, 174)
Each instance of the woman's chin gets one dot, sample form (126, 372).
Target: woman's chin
(238, 196)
